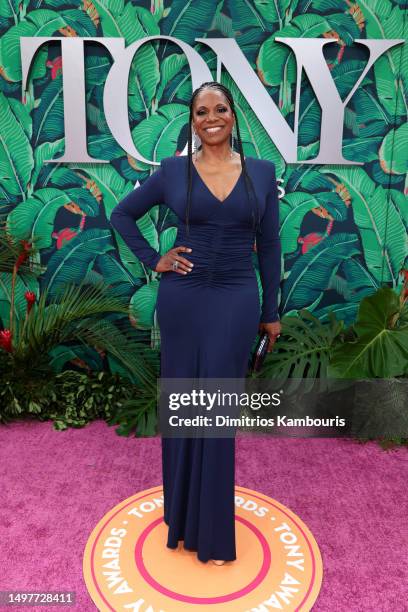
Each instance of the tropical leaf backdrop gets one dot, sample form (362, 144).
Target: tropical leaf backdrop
(343, 229)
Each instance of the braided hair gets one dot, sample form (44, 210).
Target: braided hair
(248, 182)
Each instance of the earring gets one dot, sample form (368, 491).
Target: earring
(233, 137)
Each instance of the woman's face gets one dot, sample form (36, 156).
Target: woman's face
(212, 110)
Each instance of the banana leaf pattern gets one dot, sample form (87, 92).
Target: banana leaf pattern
(343, 229)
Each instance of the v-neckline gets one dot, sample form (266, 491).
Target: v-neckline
(209, 190)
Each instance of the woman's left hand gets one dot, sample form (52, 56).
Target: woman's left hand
(273, 330)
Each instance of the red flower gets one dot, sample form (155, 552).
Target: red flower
(24, 254)
(5, 340)
(63, 236)
(30, 298)
(56, 66)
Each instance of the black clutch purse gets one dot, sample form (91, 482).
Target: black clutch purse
(260, 352)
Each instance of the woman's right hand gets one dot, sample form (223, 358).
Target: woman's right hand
(165, 263)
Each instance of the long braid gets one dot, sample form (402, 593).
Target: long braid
(189, 170)
(248, 180)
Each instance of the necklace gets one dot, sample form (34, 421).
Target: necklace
(230, 156)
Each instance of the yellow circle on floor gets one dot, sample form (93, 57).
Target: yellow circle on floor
(127, 565)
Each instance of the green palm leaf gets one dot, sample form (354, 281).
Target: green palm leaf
(186, 19)
(34, 218)
(143, 304)
(167, 239)
(275, 11)
(48, 118)
(383, 20)
(114, 272)
(255, 140)
(71, 263)
(46, 150)
(16, 155)
(276, 61)
(79, 314)
(359, 280)
(10, 56)
(156, 137)
(293, 208)
(310, 274)
(123, 20)
(62, 354)
(143, 79)
(382, 234)
(393, 157)
(22, 284)
(170, 68)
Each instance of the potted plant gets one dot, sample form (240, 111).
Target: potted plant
(39, 335)
(363, 367)
(375, 356)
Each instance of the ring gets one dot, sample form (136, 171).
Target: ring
(175, 265)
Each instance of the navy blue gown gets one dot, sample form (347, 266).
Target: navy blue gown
(208, 320)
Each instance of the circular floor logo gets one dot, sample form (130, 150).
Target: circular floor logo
(127, 565)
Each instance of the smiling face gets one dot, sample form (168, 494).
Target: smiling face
(213, 118)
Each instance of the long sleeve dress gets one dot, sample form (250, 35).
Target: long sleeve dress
(208, 321)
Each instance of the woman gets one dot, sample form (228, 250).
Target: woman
(208, 307)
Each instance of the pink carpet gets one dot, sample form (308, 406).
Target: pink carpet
(57, 485)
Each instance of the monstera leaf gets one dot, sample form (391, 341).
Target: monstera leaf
(303, 352)
(380, 349)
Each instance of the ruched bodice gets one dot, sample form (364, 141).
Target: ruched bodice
(220, 253)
